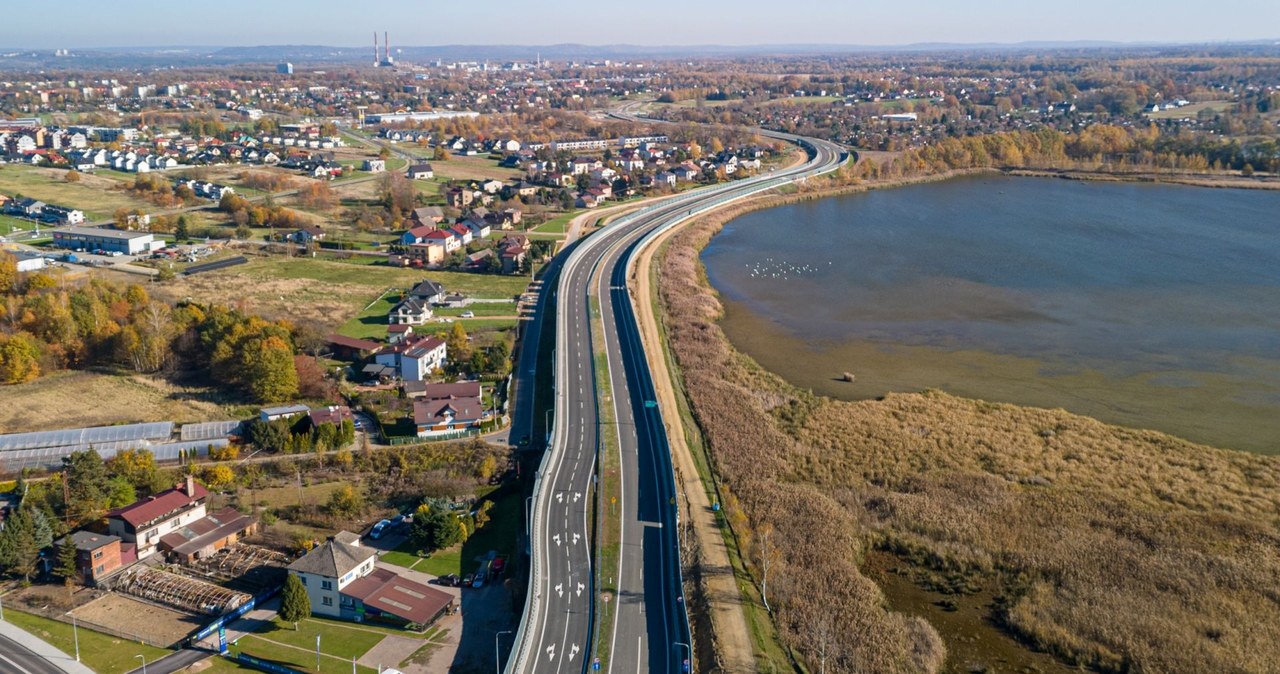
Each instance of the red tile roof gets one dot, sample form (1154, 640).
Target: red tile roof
(159, 505)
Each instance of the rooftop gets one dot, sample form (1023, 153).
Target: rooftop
(157, 506)
(337, 557)
(387, 591)
(102, 232)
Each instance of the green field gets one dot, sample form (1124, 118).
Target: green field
(47, 185)
(381, 276)
(1191, 111)
(102, 653)
(371, 323)
(558, 224)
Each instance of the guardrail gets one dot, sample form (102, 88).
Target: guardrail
(735, 191)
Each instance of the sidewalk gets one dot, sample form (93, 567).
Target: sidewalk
(38, 646)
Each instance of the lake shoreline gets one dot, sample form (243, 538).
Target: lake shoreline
(1211, 180)
(910, 473)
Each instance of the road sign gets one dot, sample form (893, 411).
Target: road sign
(222, 639)
(650, 403)
(606, 597)
(595, 664)
(613, 499)
(684, 666)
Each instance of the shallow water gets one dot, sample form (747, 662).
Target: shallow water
(1152, 306)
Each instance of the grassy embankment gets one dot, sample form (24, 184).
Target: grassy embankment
(1112, 548)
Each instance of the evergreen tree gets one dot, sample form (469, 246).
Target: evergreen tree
(181, 231)
(67, 558)
(295, 605)
(18, 550)
(87, 489)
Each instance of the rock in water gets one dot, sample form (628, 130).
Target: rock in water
(848, 376)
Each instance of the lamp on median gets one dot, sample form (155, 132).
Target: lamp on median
(497, 661)
(144, 662)
(687, 664)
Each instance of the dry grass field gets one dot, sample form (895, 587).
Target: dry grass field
(71, 399)
(1113, 549)
(154, 624)
(97, 196)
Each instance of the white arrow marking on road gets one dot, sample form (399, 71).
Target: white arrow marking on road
(560, 589)
(581, 587)
(575, 539)
(573, 652)
(576, 495)
(551, 652)
(556, 538)
(560, 497)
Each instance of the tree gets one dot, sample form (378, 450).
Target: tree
(435, 530)
(120, 493)
(766, 554)
(67, 562)
(86, 481)
(73, 176)
(269, 370)
(295, 605)
(181, 231)
(19, 359)
(8, 271)
(136, 466)
(458, 348)
(218, 477)
(19, 553)
(346, 502)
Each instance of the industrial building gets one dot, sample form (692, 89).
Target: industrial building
(101, 238)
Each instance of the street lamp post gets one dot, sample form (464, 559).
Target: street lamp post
(75, 633)
(689, 652)
(144, 662)
(497, 661)
(317, 653)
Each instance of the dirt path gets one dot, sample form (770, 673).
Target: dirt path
(731, 636)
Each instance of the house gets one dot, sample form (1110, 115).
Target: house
(428, 291)
(142, 523)
(686, 173)
(444, 238)
(427, 252)
(447, 415)
(479, 229)
(410, 311)
(587, 200)
(420, 172)
(414, 357)
(350, 348)
(307, 235)
(333, 414)
(460, 197)
(374, 165)
(268, 414)
(204, 537)
(427, 215)
(343, 581)
(463, 233)
(491, 186)
(424, 391)
(416, 234)
(97, 555)
(397, 332)
(665, 178)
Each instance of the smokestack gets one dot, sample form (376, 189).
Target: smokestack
(191, 486)
(375, 47)
(386, 46)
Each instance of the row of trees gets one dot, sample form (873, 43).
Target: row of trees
(298, 436)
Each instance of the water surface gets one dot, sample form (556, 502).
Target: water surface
(1153, 306)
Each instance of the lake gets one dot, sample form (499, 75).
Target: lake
(1149, 306)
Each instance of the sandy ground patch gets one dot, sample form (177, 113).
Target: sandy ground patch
(150, 623)
(330, 304)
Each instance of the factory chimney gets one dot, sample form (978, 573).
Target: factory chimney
(386, 47)
(375, 47)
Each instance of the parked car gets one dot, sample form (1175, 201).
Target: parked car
(467, 580)
(478, 582)
(450, 580)
(468, 314)
(379, 529)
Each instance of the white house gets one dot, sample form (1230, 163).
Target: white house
(415, 358)
(329, 568)
(411, 311)
(144, 522)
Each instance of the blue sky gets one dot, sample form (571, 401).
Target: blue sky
(97, 23)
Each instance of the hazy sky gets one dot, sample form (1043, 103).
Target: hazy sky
(117, 23)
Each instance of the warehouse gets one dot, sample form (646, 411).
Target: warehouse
(101, 238)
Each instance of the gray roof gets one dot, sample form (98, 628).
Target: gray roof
(336, 558)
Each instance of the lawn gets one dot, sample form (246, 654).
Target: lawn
(480, 309)
(558, 224)
(381, 276)
(472, 325)
(299, 658)
(371, 323)
(103, 653)
(97, 197)
(335, 638)
(10, 224)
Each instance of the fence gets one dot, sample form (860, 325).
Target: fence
(266, 665)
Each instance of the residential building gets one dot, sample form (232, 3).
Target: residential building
(307, 235)
(343, 581)
(374, 165)
(424, 391)
(414, 357)
(333, 414)
(427, 216)
(97, 555)
(428, 291)
(420, 172)
(410, 311)
(142, 523)
(268, 414)
(447, 415)
(204, 537)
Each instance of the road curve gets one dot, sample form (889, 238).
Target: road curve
(557, 628)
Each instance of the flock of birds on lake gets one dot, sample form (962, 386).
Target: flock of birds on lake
(768, 268)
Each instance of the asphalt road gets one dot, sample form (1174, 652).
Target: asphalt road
(14, 657)
(557, 630)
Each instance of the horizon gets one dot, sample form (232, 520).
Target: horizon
(716, 23)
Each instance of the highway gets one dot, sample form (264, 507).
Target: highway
(16, 658)
(651, 631)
